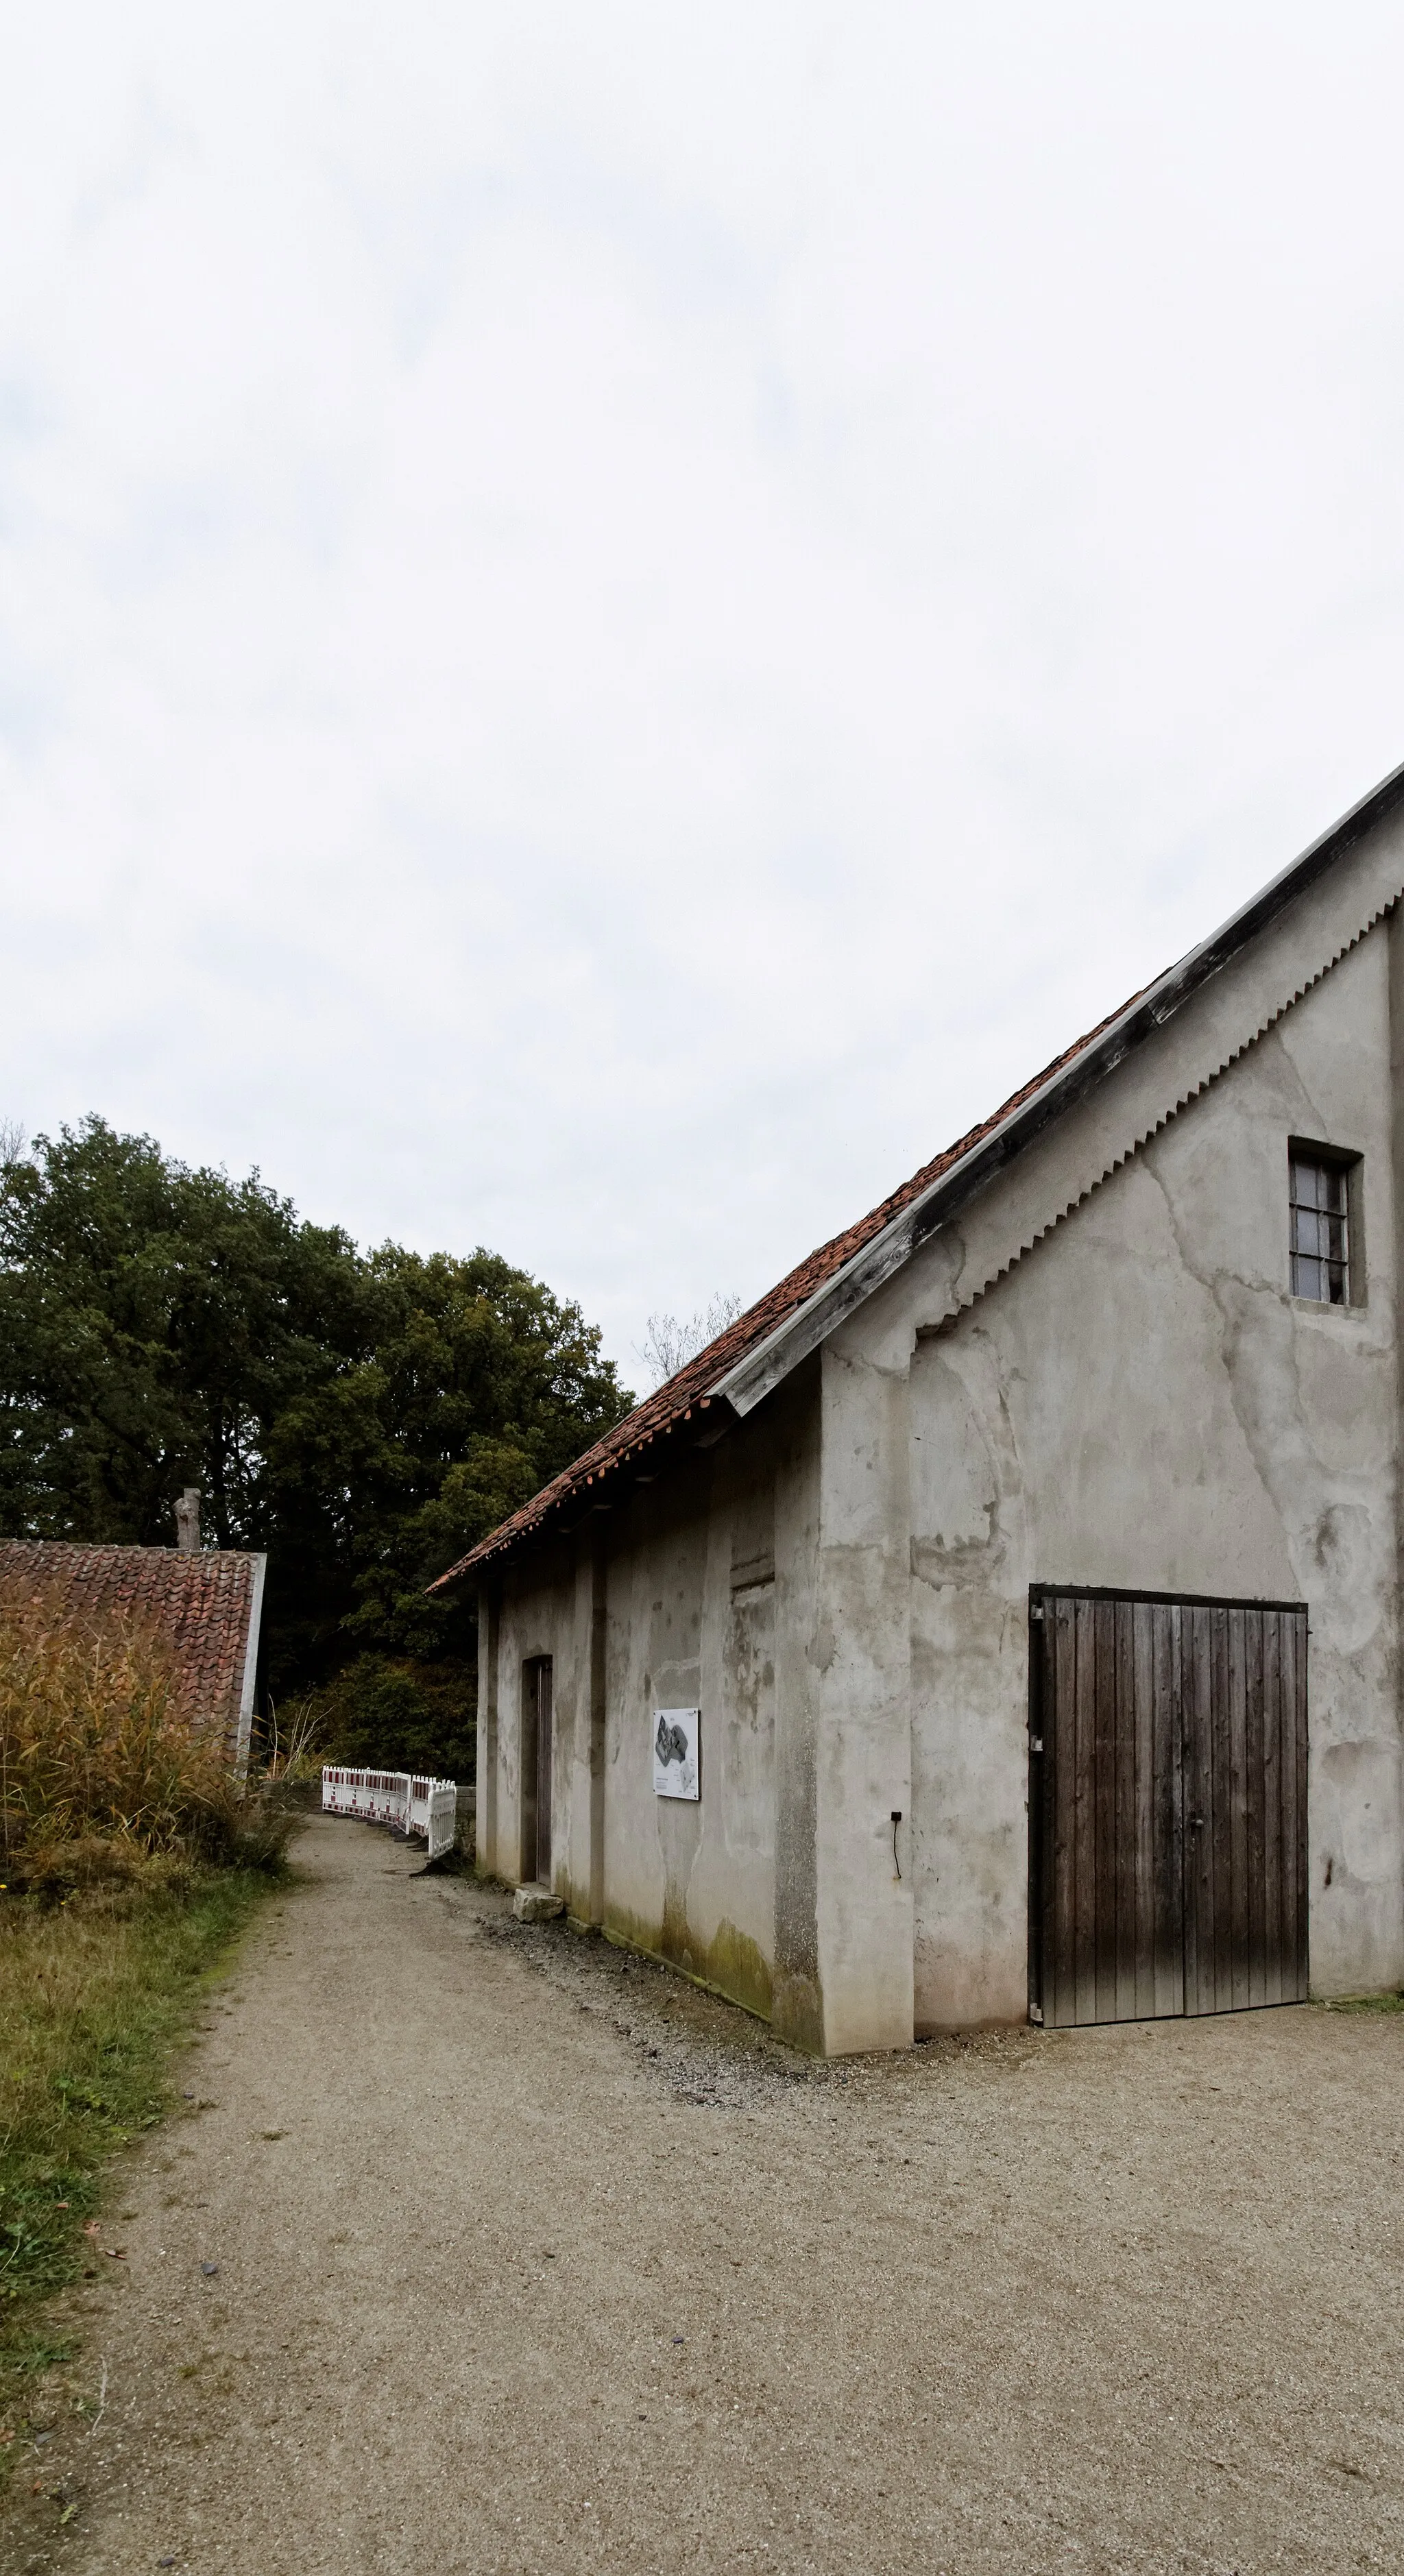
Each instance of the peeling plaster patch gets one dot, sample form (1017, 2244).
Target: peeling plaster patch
(1360, 1781)
(1331, 1537)
(1344, 1549)
(955, 1481)
(748, 1699)
(1257, 1347)
(967, 1474)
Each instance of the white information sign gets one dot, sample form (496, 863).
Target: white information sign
(675, 1752)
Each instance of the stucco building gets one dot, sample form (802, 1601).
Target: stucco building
(1003, 1615)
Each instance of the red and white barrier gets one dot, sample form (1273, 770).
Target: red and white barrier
(397, 1799)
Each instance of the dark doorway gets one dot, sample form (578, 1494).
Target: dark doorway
(536, 1770)
(1168, 1805)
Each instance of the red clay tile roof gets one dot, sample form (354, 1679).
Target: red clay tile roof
(691, 1387)
(694, 1387)
(198, 1606)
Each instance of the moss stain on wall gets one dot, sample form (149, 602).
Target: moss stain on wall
(731, 1964)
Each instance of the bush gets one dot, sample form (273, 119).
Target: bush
(102, 1773)
(402, 1715)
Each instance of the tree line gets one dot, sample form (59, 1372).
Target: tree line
(364, 1417)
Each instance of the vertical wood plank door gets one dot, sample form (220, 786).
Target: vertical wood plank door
(1168, 1814)
(544, 1767)
(530, 1737)
(536, 1772)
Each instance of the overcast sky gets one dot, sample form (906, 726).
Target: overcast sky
(615, 619)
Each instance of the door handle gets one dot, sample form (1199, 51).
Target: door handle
(1195, 1822)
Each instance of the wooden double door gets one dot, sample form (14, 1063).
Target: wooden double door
(1168, 1805)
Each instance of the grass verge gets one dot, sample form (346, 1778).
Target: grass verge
(94, 1993)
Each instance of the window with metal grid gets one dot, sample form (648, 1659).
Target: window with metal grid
(1320, 1241)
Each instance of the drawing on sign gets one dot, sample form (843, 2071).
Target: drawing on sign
(675, 1765)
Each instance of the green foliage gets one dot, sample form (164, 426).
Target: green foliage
(407, 1716)
(363, 1418)
(93, 1995)
(154, 1320)
(481, 1385)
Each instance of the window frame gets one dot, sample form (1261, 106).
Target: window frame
(1347, 1164)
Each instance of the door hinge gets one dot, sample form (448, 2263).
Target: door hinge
(1037, 1612)
(1035, 1744)
(1036, 2012)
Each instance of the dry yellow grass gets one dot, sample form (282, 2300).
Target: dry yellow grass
(112, 1808)
(95, 1746)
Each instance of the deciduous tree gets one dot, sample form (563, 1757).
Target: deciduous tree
(363, 1417)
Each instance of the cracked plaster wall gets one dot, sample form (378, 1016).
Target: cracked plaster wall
(1140, 1403)
(1111, 1386)
(861, 1659)
(695, 1564)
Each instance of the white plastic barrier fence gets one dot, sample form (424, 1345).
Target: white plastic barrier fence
(397, 1799)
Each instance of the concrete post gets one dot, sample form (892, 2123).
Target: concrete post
(599, 1638)
(486, 1747)
(862, 1634)
(797, 2007)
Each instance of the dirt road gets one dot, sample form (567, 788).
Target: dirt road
(531, 2259)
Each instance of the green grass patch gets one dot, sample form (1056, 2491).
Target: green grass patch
(94, 1994)
(1365, 2003)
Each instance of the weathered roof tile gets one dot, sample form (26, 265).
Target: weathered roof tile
(200, 1607)
(674, 1401)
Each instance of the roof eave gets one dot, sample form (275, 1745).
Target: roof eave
(751, 1379)
(586, 1500)
(754, 1377)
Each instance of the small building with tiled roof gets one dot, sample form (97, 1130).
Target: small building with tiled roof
(202, 1605)
(1001, 1618)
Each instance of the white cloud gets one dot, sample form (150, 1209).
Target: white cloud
(617, 621)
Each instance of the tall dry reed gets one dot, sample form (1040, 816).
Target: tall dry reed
(95, 1746)
(291, 1743)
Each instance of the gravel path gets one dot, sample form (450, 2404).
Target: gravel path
(532, 2259)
